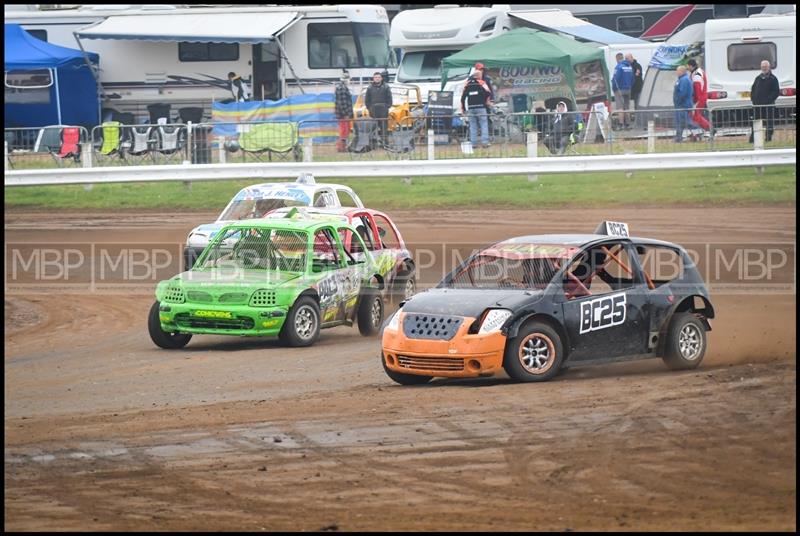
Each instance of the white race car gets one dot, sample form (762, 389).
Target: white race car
(259, 199)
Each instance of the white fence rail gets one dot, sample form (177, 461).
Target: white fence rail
(404, 168)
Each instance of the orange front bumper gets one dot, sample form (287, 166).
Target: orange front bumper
(463, 356)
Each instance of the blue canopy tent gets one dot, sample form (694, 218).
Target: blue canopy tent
(46, 84)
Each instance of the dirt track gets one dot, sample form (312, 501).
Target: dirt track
(105, 431)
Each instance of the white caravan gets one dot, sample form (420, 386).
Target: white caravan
(429, 35)
(734, 49)
(181, 55)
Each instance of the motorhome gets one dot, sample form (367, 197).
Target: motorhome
(731, 52)
(655, 22)
(182, 55)
(426, 36)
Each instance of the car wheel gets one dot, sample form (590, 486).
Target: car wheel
(686, 342)
(301, 327)
(535, 354)
(370, 313)
(163, 339)
(404, 379)
(405, 286)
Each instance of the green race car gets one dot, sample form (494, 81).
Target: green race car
(271, 277)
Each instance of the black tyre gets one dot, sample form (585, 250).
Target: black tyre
(686, 342)
(405, 286)
(535, 354)
(370, 313)
(301, 327)
(163, 339)
(404, 379)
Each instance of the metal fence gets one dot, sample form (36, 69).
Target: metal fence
(412, 137)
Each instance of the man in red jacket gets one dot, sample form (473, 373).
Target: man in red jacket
(700, 94)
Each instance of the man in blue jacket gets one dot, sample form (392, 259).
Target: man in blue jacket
(621, 83)
(682, 100)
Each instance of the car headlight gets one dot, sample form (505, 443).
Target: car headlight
(494, 319)
(394, 322)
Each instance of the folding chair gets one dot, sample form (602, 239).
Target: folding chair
(279, 139)
(169, 138)
(70, 146)
(112, 139)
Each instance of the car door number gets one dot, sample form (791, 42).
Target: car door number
(603, 312)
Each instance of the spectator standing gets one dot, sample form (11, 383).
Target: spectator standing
(763, 94)
(485, 77)
(621, 83)
(344, 110)
(238, 88)
(475, 98)
(682, 100)
(699, 94)
(378, 101)
(638, 79)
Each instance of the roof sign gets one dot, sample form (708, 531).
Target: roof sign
(306, 178)
(613, 228)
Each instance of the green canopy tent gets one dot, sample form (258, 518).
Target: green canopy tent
(510, 53)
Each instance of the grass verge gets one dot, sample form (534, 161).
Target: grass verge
(698, 186)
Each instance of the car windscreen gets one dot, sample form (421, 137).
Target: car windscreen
(488, 271)
(426, 66)
(256, 248)
(248, 209)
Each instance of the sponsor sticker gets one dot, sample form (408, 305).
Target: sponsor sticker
(213, 314)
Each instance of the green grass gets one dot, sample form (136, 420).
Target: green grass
(696, 186)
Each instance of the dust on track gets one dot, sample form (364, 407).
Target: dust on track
(105, 431)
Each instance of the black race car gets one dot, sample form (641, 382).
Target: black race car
(533, 305)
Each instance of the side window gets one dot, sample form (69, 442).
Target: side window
(387, 235)
(331, 45)
(346, 199)
(364, 229)
(661, 265)
(39, 34)
(188, 51)
(326, 251)
(324, 198)
(630, 24)
(599, 270)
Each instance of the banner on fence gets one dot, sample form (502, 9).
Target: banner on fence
(313, 112)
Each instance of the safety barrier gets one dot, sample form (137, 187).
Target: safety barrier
(437, 168)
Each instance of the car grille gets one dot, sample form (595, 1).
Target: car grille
(199, 296)
(437, 327)
(430, 363)
(233, 297)
(174, 295)
(263, 298)
(185, 320)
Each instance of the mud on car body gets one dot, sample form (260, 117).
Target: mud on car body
(267, 278)
(384, 244)
(258, 200)
(534, 304)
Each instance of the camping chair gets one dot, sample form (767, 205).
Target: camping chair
(366, 136)
(279, 139)
(70, 146)
(169, 139)
(112, 139)
(157, 111)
